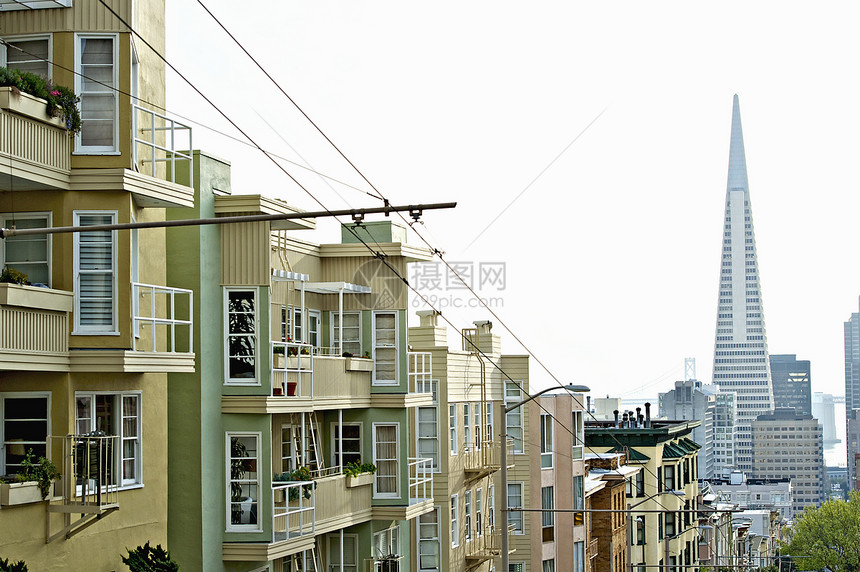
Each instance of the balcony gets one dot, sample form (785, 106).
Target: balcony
(35, 149)
(89, 483)
(34, 328)
(484, 460)
(484, 545)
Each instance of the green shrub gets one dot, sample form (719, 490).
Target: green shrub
(12, 276)
(147, 559)
(42, 471)
(61, 101)
(355, 468)
(6, 566)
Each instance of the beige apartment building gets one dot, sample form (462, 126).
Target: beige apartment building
(470, 383)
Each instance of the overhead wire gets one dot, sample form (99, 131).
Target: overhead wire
(434, 250)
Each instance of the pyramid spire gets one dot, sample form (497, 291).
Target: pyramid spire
(737, 158)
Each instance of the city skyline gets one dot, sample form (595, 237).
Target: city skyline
(612, 137)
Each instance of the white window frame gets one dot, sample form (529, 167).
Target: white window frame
(390, 537)
(578, 422)
(4, 58)
(22, 395)
(228, 479)
(7, 220)
(337, 439)
(579, 556)
(97, 330)
(376, 493)
(119, 416)
(546, 441)
(256, 336)
(517, 515)
(516, 567)
(491, 507)
(476, 412)
(297, 325)
(334, 331)
(292, 460)
(510, 387)
(455, 521)
(479, 512)
(467, 427)
(467, 509)
(431, 540)
(452, 428)
(434, 384)
(98, 149)
(490, 426)
(547, 512)
(396, 380)
(315, 316)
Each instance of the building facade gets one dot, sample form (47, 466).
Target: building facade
(787, 445)
(740, 350)
(852, 390)
(666, 490)
(755, 494)
(725, 414)
(85, 351)
(824, 409)
(691, 400)
(792, 382)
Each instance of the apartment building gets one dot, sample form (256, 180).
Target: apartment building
(666, 490)
(85, 351)
(471, 382)
(608, 478)
(302, 370)
(557, 481)
(755, 494)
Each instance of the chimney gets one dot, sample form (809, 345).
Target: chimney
(588, 404)
(624, 422)
(638, 417)
(616, 418)
(647, 415)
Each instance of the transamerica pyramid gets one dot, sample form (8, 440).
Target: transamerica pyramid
(741, 363)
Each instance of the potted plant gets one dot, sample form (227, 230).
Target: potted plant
(12, 276)
(33, 482)
(359, 474)
(300, 474)
(60, 102)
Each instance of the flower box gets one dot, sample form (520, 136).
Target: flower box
(21, 493)
(359, 364)
(28, 106)
(278, 361)
(359, 480)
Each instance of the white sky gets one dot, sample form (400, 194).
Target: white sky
(612, 256)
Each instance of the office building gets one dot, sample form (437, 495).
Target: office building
(791, 382)
(691, 400)
(852, 388)
(740, 350)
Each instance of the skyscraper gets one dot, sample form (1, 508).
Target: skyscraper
(740, 350)
(852, 389)
(792, 382)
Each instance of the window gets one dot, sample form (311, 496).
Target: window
(28, 254)
(386, 542)
(428, 541)
(95, 274)
(578, 425)
(452, 427)
(545, 441)
(669, 477)
(428, 431)
(640, 530)
(96, 85)
(514, 418)
(351, 443)
(579, 499)
(640, 484)
(670, 524)
(515, 500)
(32, 55)
(350, 552)
(26, 424)
(290, 458)
(115, 414)
(240, 308)
(243, 481)
(455, 523)
(285, 323)
(548, 565)
(385, 454)
(467, 522)
(385, 348)
(489, 437)
(297, 326)
(351, 332)
(579, 557)
(491, 507)
(517, 567)
(476, 410)
(467, 430)
(479, 513)
(547, 516)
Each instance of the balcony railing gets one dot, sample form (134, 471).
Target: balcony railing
(293, 510)
(156, 318)
(485, 545)
(292, 369)
(34, 321)
(159, 143)
(420, 480)
(485, 458)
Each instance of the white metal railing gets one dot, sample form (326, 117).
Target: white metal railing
(147, 128)
(420, 479)
(293, 509)
(90, 472)
(169, 321)
(420, 372)
(292, 369)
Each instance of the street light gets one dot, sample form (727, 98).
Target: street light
(504, 458)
